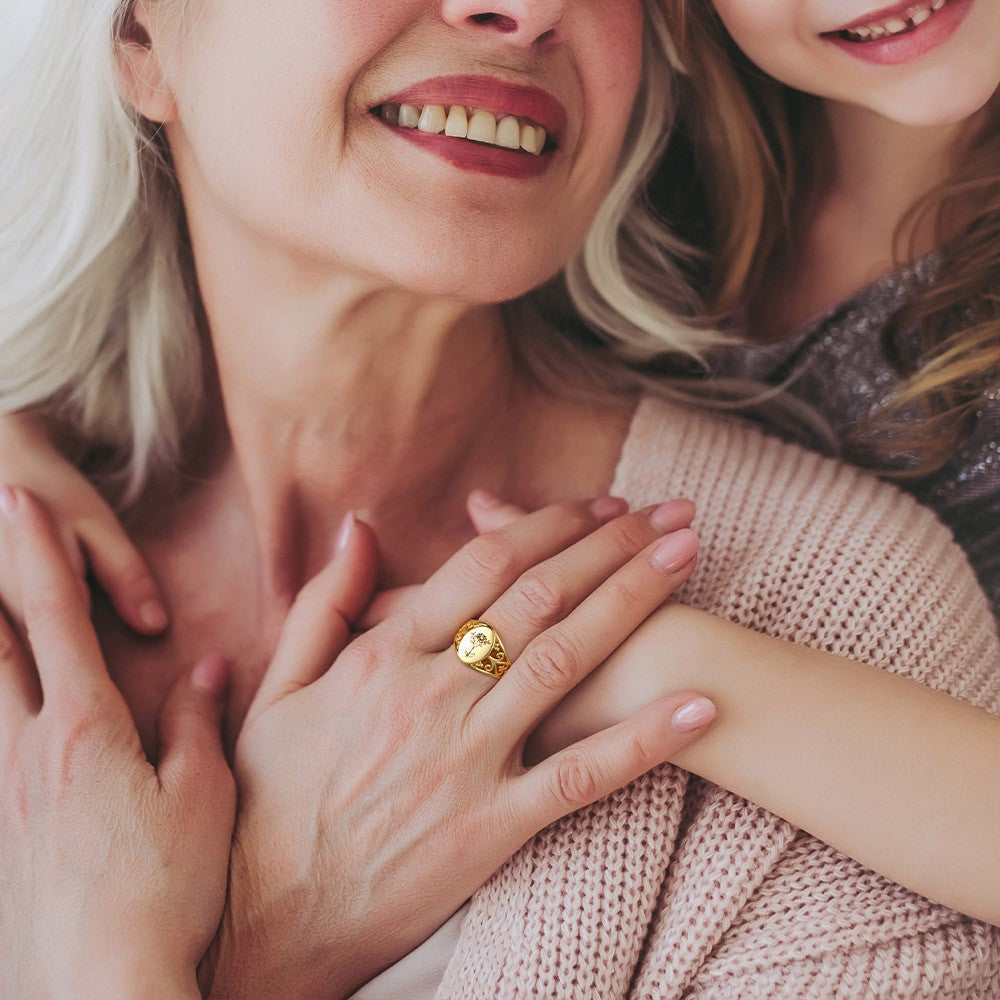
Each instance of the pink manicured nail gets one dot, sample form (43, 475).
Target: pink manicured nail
(672, 515)
(8, 501)
(346, 530)
(608, 508)
(211, 674)
(696, 713)
(675, 551)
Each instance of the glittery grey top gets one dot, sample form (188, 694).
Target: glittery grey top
(837, 365)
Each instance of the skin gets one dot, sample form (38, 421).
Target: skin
(897, 131)
(310, 307)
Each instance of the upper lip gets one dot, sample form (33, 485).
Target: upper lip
(489, 94)
(877, 16)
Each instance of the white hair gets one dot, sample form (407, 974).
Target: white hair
(97, 301)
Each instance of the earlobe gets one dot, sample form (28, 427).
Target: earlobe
(141, 80)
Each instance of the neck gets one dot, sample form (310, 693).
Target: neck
(341, 395)
(881, 170)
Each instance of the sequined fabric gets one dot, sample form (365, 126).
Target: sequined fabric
(837, 365)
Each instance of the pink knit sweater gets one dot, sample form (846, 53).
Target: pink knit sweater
(675, 888)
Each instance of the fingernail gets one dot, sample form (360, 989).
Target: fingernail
(696, 713)
(608, 508)
(8, 501)
(675, 551)
(672, 515)
(481, 497)
(346, 530)
(153, 615)
(211, 674)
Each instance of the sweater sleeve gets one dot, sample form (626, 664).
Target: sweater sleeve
(674, 887)
(818, 553)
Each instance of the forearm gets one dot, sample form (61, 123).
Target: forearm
(899, 777)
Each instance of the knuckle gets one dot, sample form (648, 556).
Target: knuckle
(576, 781)
(491, 558)
(365, 659)
(541, 598)
(628, 597)
(551, 664)
(627, 534)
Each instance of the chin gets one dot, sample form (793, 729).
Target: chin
(478, 280)
(942, 106)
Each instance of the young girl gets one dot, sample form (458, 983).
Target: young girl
(848, 164)
(876, 755)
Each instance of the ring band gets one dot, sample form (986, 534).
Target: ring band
(478, 646)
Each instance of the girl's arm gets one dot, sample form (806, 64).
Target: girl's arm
(93, 539)
(902, 778)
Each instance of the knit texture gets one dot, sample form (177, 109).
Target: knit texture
(674, 887)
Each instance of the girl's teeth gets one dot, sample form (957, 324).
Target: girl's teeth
(913, 18)
(459, 123)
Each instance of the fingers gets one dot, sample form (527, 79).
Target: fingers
(485, 567)
(384, 604)
(67, 655)
(549, 591)
(121, 571)
(560, 657)
(319, 623)
(190, 725)
(488, 512)
(19, 693)
(608, 760)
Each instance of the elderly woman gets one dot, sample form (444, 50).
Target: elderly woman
(305, 274)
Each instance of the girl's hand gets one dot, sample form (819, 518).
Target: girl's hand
(379, 793)
(91, 535)
(113, 871)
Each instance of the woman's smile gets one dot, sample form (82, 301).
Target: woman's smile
(479, 123)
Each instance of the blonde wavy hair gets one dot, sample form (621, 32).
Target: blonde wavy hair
(760, 150)
(99, 313)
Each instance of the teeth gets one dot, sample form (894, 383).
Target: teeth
(457, 125)
(475, 125)
(483, 128)
(913, 18)
(432, 119)
(508, 133)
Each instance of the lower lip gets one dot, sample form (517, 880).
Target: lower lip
(934, 32)
(476, 158)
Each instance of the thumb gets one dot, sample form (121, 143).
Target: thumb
(190, 723)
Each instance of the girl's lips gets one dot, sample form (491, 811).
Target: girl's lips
(895, 50)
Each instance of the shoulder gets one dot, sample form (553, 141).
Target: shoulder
(807, 548)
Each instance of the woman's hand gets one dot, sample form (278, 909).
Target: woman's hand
(113, 871)
(379, 793)
(91, 535)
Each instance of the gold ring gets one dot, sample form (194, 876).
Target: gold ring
(478, 646)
